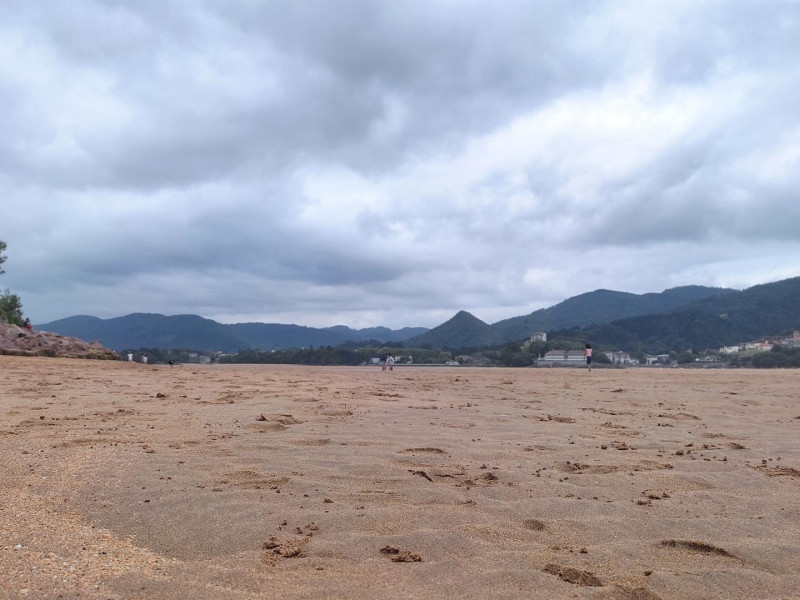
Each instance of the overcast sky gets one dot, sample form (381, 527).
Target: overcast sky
(392, 162)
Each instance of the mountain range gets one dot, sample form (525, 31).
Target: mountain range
(600, 306)
(760, 311)
(147, 330)
(691, 315)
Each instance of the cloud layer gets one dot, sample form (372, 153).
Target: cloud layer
(392, 162)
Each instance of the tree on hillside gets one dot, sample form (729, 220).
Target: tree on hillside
(10, 308)
(10, 304)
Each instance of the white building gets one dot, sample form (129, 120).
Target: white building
(729, 349)
(539, 336)
(620, 358)
(562, 357)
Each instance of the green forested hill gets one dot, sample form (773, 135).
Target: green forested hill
(463, 330)
(601, 306)
(759, 311)
(147, 330)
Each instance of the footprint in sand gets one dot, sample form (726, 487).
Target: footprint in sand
(337, 413)
(459, 477)
(534, 524)
(571, 575)
(400, 555)
(778, 471)
(265, 427)
(311, 442)
(699, 547)
(600, 469)
(391, 397)
(422, 450)
(619, 592)
(681, 416)
(277, 548)
(457, 425)
(252, 480)
(282, 419)
(560, 419)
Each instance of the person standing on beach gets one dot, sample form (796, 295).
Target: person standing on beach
(390, 362)
(144, 359)
(383, 358)
(588, 354)
(130, 356)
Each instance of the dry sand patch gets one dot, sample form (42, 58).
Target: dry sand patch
(129, 481)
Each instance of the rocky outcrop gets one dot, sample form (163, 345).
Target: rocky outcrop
(24, 342)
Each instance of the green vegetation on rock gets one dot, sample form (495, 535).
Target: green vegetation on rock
(10, 304)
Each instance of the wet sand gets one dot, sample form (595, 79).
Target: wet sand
(122, 480)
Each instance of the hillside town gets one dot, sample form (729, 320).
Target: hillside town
(792, 341)
(621, 358)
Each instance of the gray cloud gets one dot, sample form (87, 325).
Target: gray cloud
(391, 163)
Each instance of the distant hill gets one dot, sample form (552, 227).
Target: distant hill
(462, 331)
(275, 336)
(377, 333)
(759, 311)
(599, 306)
(146, 330)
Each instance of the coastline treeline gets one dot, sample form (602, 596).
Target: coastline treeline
(780, 357)
(322, 356)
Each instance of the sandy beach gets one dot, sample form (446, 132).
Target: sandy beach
(121, 480)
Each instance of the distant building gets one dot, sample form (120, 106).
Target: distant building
(621, 358)
(709, 358)
(539, 336)
(729, 349)
(553, 355)
(792, 341)
(575, 355)
(562, 357)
